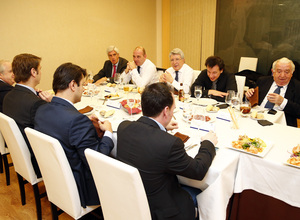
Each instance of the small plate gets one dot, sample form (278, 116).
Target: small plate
(212, 111)
(286, 163)
(111, 98)
(205, 101)
(89, 113)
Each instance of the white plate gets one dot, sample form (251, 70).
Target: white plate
(89, 113)
(286, 163)
(259, 154)
(111, 98)
(205, 101)
(212, 111)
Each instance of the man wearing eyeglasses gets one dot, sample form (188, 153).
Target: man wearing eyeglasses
(179, 72)
(280, 91)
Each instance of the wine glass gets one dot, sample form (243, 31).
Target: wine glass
(235, 100)
(198, 92)
(187, 112)
(91, 90)
(230, 94)
(130, 102)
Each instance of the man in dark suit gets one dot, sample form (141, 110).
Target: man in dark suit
(215, 81)
(22, 101)
(75, 131)
(280, 91)
(7, 79)
(160, 156)
(115, 64)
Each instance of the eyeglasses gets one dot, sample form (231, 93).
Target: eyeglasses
(176, 60)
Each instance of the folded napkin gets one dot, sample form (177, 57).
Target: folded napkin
(264, 122)
(113, 104)
(86, 109)
(254, 98)
(183, 137)
(95, 121)
(135, 110)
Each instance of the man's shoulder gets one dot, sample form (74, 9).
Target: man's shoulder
(123, 60)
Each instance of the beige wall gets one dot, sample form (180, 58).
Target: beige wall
(76, 31)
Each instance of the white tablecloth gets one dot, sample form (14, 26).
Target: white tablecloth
(232, 171)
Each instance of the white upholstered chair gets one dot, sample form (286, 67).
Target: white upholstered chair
(119, 186)
(196, 74)
(22, 159)
(3, 159)
(240, 82)
(58, 177)
(249, 63)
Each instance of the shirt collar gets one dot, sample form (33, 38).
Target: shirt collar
(159, 124)
(28, 87)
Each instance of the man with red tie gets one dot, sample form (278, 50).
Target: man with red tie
(115, 64)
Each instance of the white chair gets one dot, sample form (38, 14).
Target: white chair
(58, 177)
(240, 82)
(4, 152)
(249, 63)
(119, 186)
(22, 160)
(196, 74)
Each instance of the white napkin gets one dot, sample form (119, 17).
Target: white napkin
(203, 126)
(223, 116)
(113, 104)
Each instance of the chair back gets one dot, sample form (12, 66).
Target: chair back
(57, 174)
(249, 63)
(196, 74)
(18, 148)
(3, 149)
(240, 82)
(119, 186)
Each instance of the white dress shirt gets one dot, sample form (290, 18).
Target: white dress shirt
(185, 76)
(282, 93)
(147, 75)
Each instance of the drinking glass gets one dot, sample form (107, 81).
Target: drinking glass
(130, 102)
(229, 96)
(198, 116)
(198, 92)
(235, 100)
(91, 90)
(187, 112)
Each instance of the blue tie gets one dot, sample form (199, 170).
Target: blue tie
(176, 76)
(269, 104)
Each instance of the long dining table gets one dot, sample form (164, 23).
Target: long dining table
(232, 171)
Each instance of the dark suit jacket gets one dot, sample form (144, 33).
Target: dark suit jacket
(75, 132)
(21, 105)
(107, 69)
(4, 89)
(226, 81)
(159, 157)
(292, 108)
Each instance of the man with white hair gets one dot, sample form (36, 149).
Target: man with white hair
(179, 72)
(7, 79)
(115, 64)
(280, 91)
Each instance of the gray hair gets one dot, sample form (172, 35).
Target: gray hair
(112, 48)
(283, 60)
(176, 51)
(2, 62)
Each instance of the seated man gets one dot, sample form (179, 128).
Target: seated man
(75, 131)
(179, 72)
(115, 64)
(215, 81)
(280, 91)
(141, 70)
(23, 100)
(160, 156)
(7, 79)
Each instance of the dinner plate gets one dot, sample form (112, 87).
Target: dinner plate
(205, 101)
(286, 163)
(259, 154)
(111, 98)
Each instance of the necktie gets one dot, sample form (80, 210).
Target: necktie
(176, 76)
(269, 104)
(214, 85)
(114, 73)
(138, 69)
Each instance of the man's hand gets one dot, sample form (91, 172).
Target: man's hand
(249, 93)
(46, 96)
(172, 125)
(275, 98)
(99, 81)
(132, 65)
(210, 136)
(105, 126)
(216, 93)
